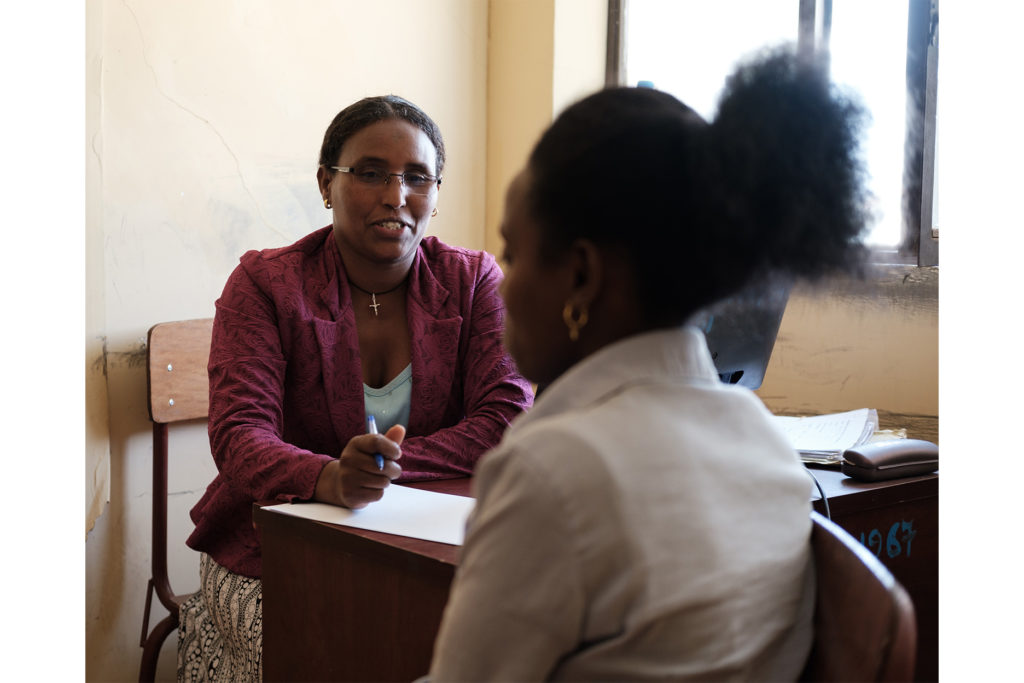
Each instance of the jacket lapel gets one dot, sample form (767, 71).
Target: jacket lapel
(338, 344)
(435, 349)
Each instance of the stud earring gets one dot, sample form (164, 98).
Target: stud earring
(434, 212)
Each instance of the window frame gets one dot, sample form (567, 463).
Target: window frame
(919, 243)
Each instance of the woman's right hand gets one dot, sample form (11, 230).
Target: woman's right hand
(353, 480)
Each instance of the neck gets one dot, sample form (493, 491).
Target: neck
(373, 277)
(378, 292)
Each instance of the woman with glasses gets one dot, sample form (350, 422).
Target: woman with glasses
(645, 520)
(364, 321)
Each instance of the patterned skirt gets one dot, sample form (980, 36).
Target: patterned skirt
(220, 630)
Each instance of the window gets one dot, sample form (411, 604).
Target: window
(884, 49)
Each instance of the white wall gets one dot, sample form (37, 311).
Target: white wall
(542, 56)
(204, 124)
(97, 442)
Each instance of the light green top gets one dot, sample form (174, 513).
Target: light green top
(389, 405)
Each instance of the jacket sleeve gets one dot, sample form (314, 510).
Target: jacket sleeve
(247, 369)
(493, 392)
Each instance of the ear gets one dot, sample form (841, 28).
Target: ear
(587, 270)
(323, 180)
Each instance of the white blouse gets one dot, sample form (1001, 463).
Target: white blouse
(642, 521)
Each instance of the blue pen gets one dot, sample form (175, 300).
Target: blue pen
(371, 427)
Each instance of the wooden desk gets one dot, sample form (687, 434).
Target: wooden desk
(898, 520)
(344, 604)
(347, 604)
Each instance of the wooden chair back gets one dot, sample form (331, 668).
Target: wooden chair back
(864, 623)
(177, 354)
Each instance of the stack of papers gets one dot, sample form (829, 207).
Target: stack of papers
(823, 438)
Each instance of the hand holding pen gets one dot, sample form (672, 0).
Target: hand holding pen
(371, 428)
(367, 465)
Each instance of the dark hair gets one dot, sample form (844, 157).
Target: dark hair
(369, 110)
(773, 185)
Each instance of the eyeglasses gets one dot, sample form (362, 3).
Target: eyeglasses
(372, 176)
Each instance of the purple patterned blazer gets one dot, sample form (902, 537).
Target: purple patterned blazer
(286, 387)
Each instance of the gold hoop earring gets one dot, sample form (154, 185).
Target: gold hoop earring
(434, 212)
(574, 323)
(327, 203)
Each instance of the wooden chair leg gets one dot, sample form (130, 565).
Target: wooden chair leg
(151, 648)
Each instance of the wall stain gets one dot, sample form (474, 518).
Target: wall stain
(134, 357)
(100, 364)
(902, 287)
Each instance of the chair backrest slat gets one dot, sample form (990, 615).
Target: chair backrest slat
(178, 353)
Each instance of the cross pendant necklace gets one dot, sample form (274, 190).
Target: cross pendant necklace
(374, 306)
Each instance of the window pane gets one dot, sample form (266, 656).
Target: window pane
(936, 178)
(879, 75)
(688, 47)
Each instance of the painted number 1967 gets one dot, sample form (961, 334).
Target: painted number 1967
(896, 542)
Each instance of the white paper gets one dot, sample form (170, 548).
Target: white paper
(404, 511)
(827, 436)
